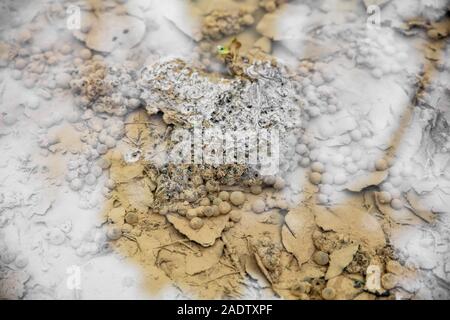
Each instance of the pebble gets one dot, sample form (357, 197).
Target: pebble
(301, 149)
(317, 167)
(224, 207)
(85, 54)
(269, 180)
(381, 164)
(104, 163)
(191, 213)
(321, 258)
(84, 170)
(384, 197)
(20, 63)
(208, 211)
(8, 256)
(351, 168)
(189, 195)
(356, 135)
(90, 179)
(328, 293)
(270, 6)
(126, 228)
(96, 171)
(338, 160)
(237, 198)
(77, 62)
(248, 20)
(224, 195)
(256, 189)
(102, 149)
(72, 174)
(196, 223)
(65, 49)
(131, 218)
(21, 262)
(396, 181)
(393, 266)
(322, 198)
(211, 186)
(340, 178)
(304, 162)
(73, 116)
(315, 178)
(279, 183)
(331, 108)
(133, 103)
(9, 119)
(396, 204)
(389, 281)
(235, 216)
(62, 80)
(258, 206)
(110, 142)
(215, 210)
(114, 233)
(110, 184)
(327, 178)
(76, 184)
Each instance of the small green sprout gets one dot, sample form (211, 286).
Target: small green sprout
(223, 50)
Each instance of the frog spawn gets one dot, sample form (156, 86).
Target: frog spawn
(86, 168)
(332, 168)
(209, 203)
(106, 89)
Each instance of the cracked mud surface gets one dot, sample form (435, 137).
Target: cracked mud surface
(97, 199)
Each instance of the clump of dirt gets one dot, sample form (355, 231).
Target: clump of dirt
(105, 89)
(221, 23)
